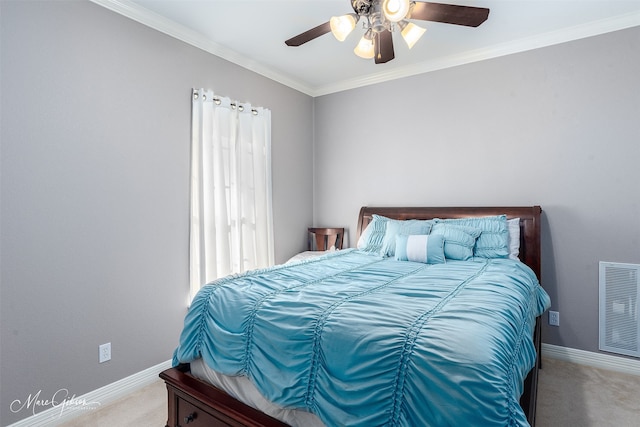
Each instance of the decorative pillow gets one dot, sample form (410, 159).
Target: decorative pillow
(458, 240)
(494, 240)
(371, 238)
(514, 237)
(397, 227)
(420, 248)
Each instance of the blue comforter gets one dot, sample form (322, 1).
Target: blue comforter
(362, 340)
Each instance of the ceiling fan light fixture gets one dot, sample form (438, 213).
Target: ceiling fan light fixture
(411, 32)
(395, 10)
(341, 26)
(382, 18)
(365, 48)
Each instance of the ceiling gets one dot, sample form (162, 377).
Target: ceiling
(251, 33)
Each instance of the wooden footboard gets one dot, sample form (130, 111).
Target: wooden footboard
(195, 403)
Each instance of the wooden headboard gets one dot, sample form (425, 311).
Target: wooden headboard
(529, 223)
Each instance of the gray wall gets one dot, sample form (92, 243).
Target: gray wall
(95, 134)
(556, 127)
(94, 176)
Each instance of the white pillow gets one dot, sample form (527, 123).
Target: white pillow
(513, 226)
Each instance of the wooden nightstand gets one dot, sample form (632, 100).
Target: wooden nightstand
(322, 239)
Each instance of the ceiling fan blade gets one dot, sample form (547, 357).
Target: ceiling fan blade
(449, 13)
(383, 47)
(309, 35)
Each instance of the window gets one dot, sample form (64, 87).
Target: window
(231, 214)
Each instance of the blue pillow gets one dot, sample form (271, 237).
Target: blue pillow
(396, 227)
(371, 238)
(427, 249)
(493, 242)
(458, 240)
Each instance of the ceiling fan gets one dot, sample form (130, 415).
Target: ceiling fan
(383, 17)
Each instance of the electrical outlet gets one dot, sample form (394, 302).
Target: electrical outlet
(104, 352)
(554, 318)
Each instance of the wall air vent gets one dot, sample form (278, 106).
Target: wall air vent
(619, 322)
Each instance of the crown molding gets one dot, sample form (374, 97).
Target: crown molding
(516, 46)
(160, 23)
(166, 26)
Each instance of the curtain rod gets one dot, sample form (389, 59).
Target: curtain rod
(218, 101)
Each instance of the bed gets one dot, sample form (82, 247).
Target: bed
(406, 373)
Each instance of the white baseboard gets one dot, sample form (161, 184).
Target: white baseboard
(101, 397)
(589, 358)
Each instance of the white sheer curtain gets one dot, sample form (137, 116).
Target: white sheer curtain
(231, 214)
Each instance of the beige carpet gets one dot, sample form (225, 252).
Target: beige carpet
(577, 395)
(569, 395)
(145, 407)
